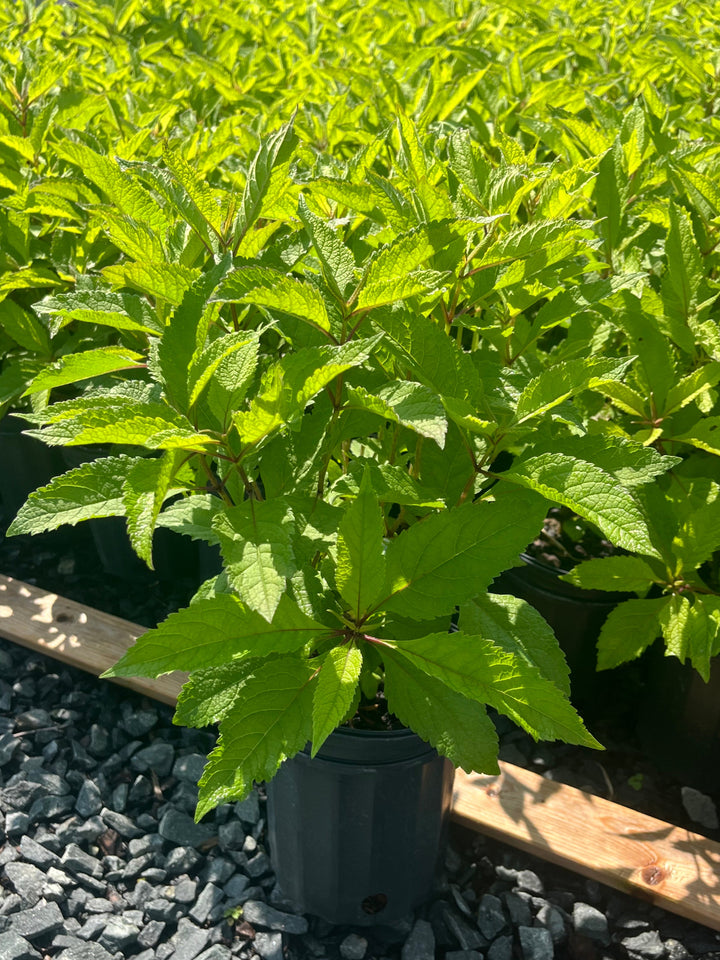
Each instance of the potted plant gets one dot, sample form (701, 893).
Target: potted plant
(314, 410)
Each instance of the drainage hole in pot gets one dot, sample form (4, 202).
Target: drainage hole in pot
(375, 903)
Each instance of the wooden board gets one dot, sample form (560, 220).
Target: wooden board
(676, 869)
(77, 635)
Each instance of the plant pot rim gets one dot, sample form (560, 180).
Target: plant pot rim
(348, 745)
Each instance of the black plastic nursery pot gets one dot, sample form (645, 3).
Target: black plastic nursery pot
(357, 833)
(575, 615)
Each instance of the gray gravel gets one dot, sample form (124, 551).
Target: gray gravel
(100, 858)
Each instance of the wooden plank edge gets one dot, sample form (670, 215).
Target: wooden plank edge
(642, 856)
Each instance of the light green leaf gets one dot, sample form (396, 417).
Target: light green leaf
(214, 632)
(274, 150)
(82, 366)
(203, 197)
(699, 535)
(391, 484)
(613, 573)
(292, 383)
(451, 557)
(162, 281)
(270, 288)
(516, 627)
(337, 260)
(630, 462)
(271, 722)
(458, 728)
(413, 405)
(123, 311)
(628, 630)
(386, 290)
(91, 490)
(146, 486)
(193, 517)
(480, 670)
(688, 632)
(360, 570)
(208, 696)
(591, 492)
(705, 435)
(700, 380)
(335, 691)
(563, 380)
(684, 270)
(255, 540)
(243, 347)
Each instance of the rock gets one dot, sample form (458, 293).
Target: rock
(260, 914)
(16, 822)
(676, 950)
(183, 891)
(490, 917)
(590, 923)
(518, 909)
(647, 945)
(536, 943)
(248, 810)
(231, 836)
(122, 824)
(259, 865)
(190, 940)
(189, 768)
(77, 861)
(463, 955)
(33, 719)
(552, 919)
(89, 802)
(136, 866)
(181, 860)
(163, 910)
(139, 722)
(530, 881)
(8, 745)
(236, 886)
(85, 951)
(501, 949)
(206, 905)
(217, 871)
(216, 952)
(36, 853)
(420, 945)
(150, 933)
(180, 828)
(99, 741)
(467, 936)
(119, 934)
(353, 947)
(269, 946)
(39, 921)
(14, 947)
(27, 880)
(700, 808)
(158, 757)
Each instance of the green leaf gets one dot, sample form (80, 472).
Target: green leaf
(613, 573)
(628, 630)
(391, 484)
(271, 722)
(700, 380)
(563, 380)
(627, 399)
(214, 632)
(688, 632)
(185, 334)
(413, 405)
(275, 150)
(629, 462)
(516, 627)
(208, 696)
(24, 328)
(242, 348)
(272, 289)
(146, 486)
(360, 571)
(201, 195)
(82, 366)
(480, 670)
(193, 517)
(451, 557)
(255, 540)
(523, 241)
(589, 491)
(335, 691)
(91, 490)
(384, 289)
(161, 281)
(684, 271)
(338, 263)
(458, 728)
(699, 535)
(704, 434)
(123, 311)
(292, 383)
